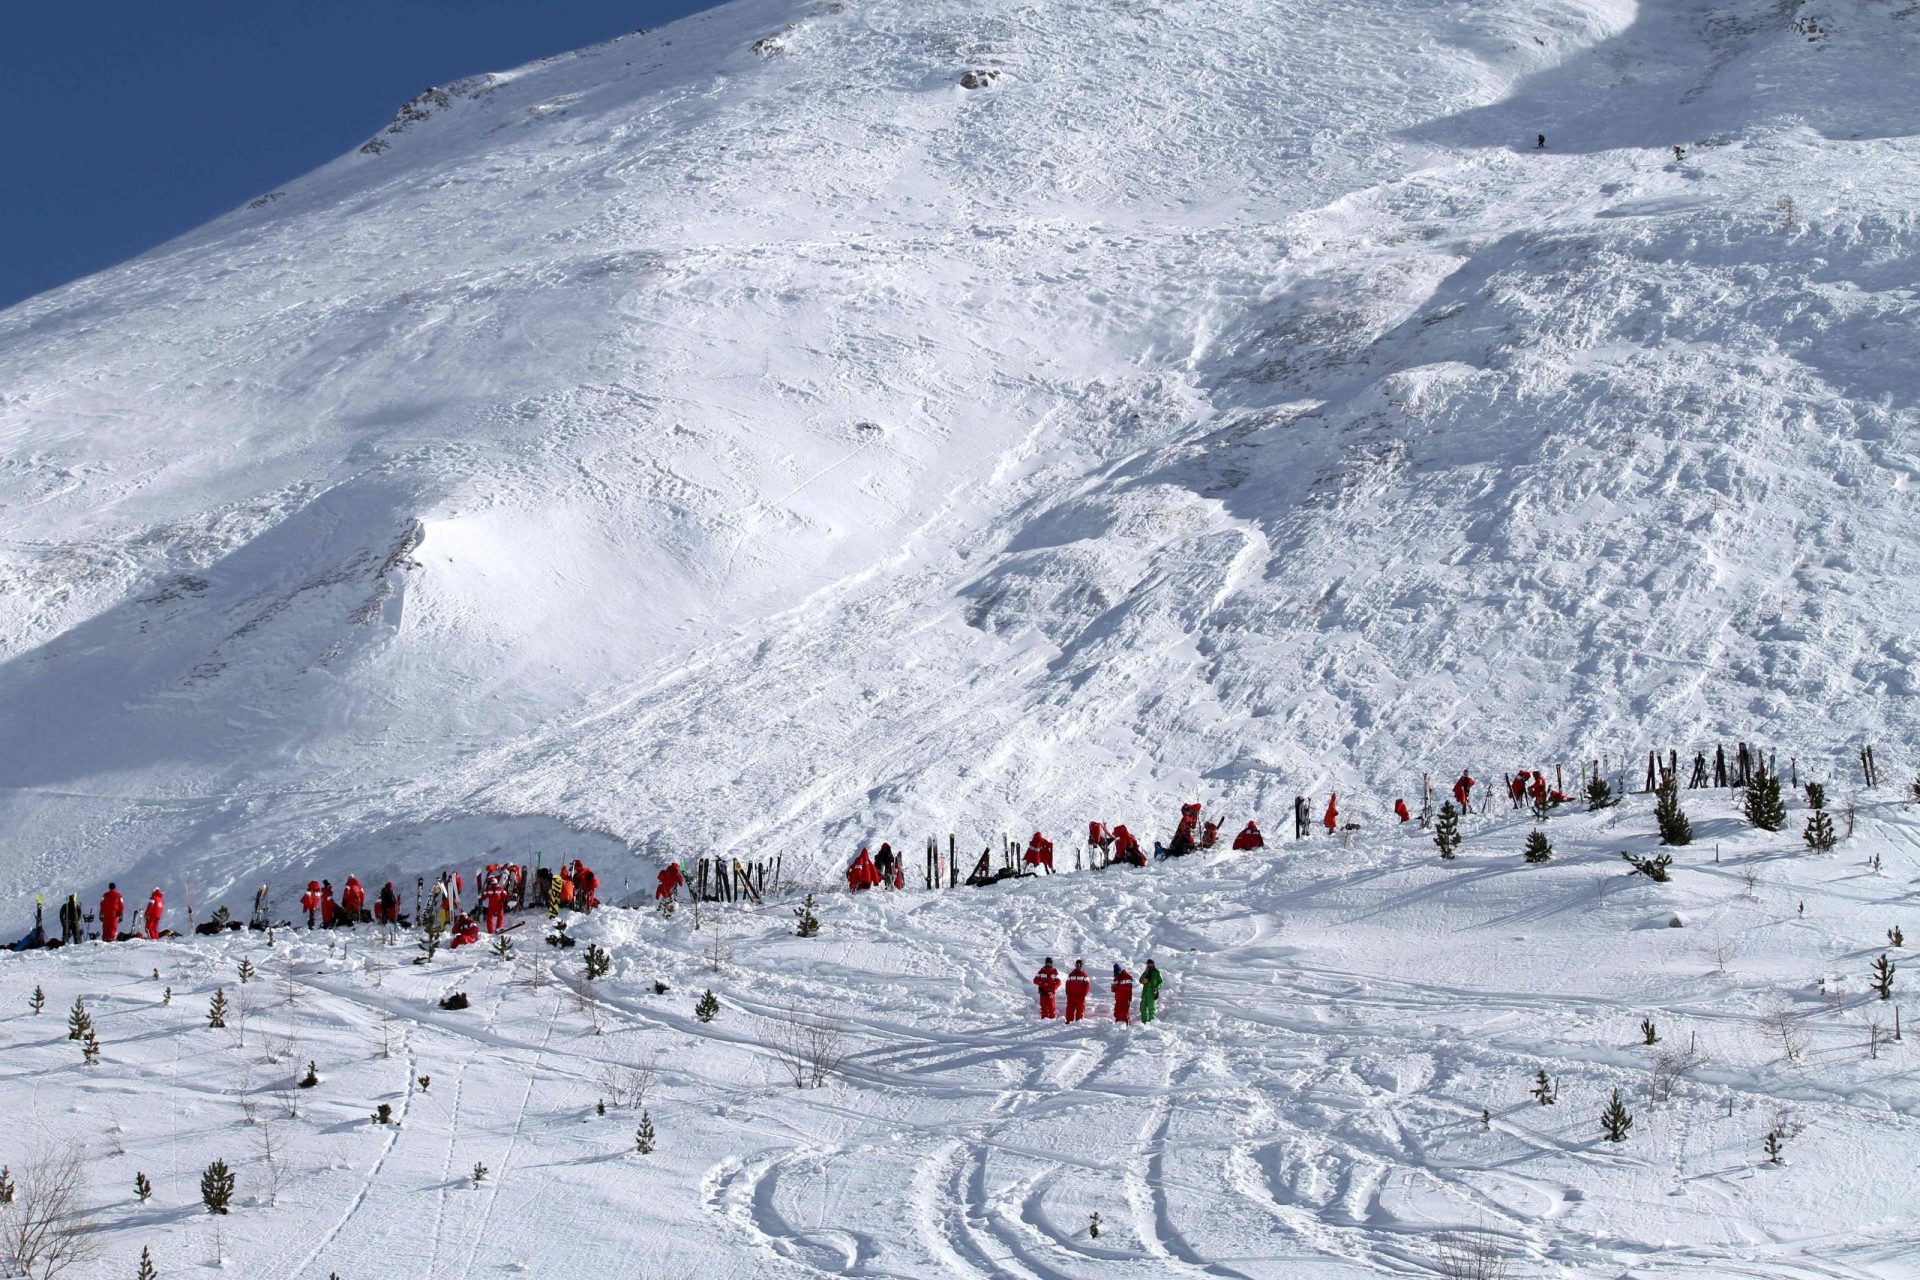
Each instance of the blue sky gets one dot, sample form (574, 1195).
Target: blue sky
(131, 121)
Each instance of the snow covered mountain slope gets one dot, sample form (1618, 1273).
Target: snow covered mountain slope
(743, 433)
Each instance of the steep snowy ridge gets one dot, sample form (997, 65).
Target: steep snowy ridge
(681, 445)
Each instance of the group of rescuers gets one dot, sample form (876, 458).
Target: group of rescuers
(1077, 983)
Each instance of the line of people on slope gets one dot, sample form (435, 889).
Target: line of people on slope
(574, 886)
(1078, 984)
(113, 909)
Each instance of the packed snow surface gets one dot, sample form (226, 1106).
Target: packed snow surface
(1339, 1080)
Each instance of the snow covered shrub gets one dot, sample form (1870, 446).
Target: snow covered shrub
(147, 1271)
(644, 1135)
(480, 1172)
(1649, 1033)
(1539, 848)
(383, 1113)
(1616, 1122)
(1471, 1255)
(79, 1021)
(1599, 795)
(1819, 834)
(1654, 869)
(1883, 971)
(142, 1189)
(216, 1187)
(217, 1010)
(90, 1049)
(1543, 1090)
(1763, 807)
(707, 1007)
(599, 963)
(809, 923)
(1816, 796)
(1446, 830)
(312, 1077)
(458, 1000)
(37, 1001)
(245, 971)
(1674, 827)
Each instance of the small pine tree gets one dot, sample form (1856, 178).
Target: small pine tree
(245, 971)
(79, 1021)
(142, 1189)
(166, 996)
(1539, 848)
(1819, 834)
(1883, 971)
(1649, 1034)
(216, 1187)
(6, 1185)
(1543, 1090)
(90, 1049)
(643, 1136)
(1764, 807)
(1896, 937)
(707, 1008)
(1599, 795)
(599, 963)
(217, 1009)
(1915, 788)
(1774, 1144)
(479, 1173)
(809, 923)
(1674, 827)
(37, 1001)
(600, 1107)
(383, 1113)
(1816, 796)
(1616, 1120)
(1446, 830)
(146, 1265)
(503, 946)
(312, 1077)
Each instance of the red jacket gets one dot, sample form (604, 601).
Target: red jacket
(1463, 789)
(1332, 820)
(1249, 838)
(1039, 852)
(353, 898)
(1077, 985)
(670, 881)
(112, 907)
(1400, 810)
(862, 875)
(1122, 995)
(1209, 835)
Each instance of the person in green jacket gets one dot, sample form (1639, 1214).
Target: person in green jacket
(1150, 983)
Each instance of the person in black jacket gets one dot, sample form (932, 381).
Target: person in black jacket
(70, 931)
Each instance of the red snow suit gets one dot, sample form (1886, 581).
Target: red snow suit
(1209, 835)
(1249, 838)
(586, 886)
(1332, 821)
(112, 907)
(1098, 835)
(1122, 995)
(1400, 811)
(328, 912)
(1539, 789)
(670, 881)
(386, 909)
(310, 901)
(156, 908)
(862, 875)
(1048, 980)
(1077, 984)
(353, 899)
(494, 899)
(1126, 848)
(1518, 788)
(465, 932)
(1039, 852)
(1463, 789)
